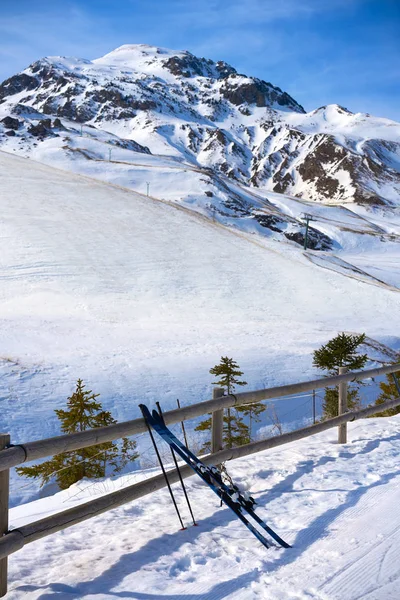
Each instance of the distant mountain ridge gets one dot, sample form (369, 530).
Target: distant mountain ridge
(159, 101)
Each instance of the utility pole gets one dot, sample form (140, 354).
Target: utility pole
(307, 218)
(148, 186)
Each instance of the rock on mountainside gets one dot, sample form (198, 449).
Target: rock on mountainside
(150, 99)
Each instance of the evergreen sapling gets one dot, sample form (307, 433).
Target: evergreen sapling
(390, 390)
(83, 412)
(235, 431)
(340, 351)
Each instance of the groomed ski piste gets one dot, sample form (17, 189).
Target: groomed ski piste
(336, 505)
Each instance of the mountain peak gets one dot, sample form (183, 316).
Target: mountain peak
(332, 109)
(132, 55)
(180, 63)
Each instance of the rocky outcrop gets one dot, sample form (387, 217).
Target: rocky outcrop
(240, 91)
(270, 222)
(317, 165)
(11, 123)
(315, 239)
(18, 83)
(42, 129)
(294, 231)
(189, 65)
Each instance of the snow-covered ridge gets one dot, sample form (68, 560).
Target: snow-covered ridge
(208, 114)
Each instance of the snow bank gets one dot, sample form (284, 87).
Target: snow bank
(337, 505)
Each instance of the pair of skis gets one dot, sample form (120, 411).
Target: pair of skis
(231, 496)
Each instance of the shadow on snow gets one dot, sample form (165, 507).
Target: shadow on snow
(168, 544)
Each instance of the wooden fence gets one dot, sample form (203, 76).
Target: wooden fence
(11, 456)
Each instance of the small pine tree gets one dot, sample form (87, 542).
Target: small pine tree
(229, 372)
(389, 392)
(83, 412)
(340, 351)
(235, 431)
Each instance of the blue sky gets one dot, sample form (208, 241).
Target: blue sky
(319, 51)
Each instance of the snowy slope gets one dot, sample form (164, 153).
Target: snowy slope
(100, 155)
(205, 113)
(141, 297)
(337, 506)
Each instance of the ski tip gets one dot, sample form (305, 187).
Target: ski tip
(145, 411)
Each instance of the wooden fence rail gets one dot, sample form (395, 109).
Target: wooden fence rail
(17, 538)
(18, 454)
(10, 456)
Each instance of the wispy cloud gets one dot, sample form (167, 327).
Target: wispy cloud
(237, 13)
(65, 30)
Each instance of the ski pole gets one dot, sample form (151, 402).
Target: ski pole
(164, 472)
(183, 426)
(177, 468)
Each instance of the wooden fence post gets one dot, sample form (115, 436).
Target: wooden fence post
(4, 500)
(314, 412)
(342, 407)
(217, 423)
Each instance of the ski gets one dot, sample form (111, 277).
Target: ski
(232, 497)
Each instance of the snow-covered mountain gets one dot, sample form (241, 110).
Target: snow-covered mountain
(204, 114)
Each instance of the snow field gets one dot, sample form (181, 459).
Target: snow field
(140, 298)
(352, 229)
